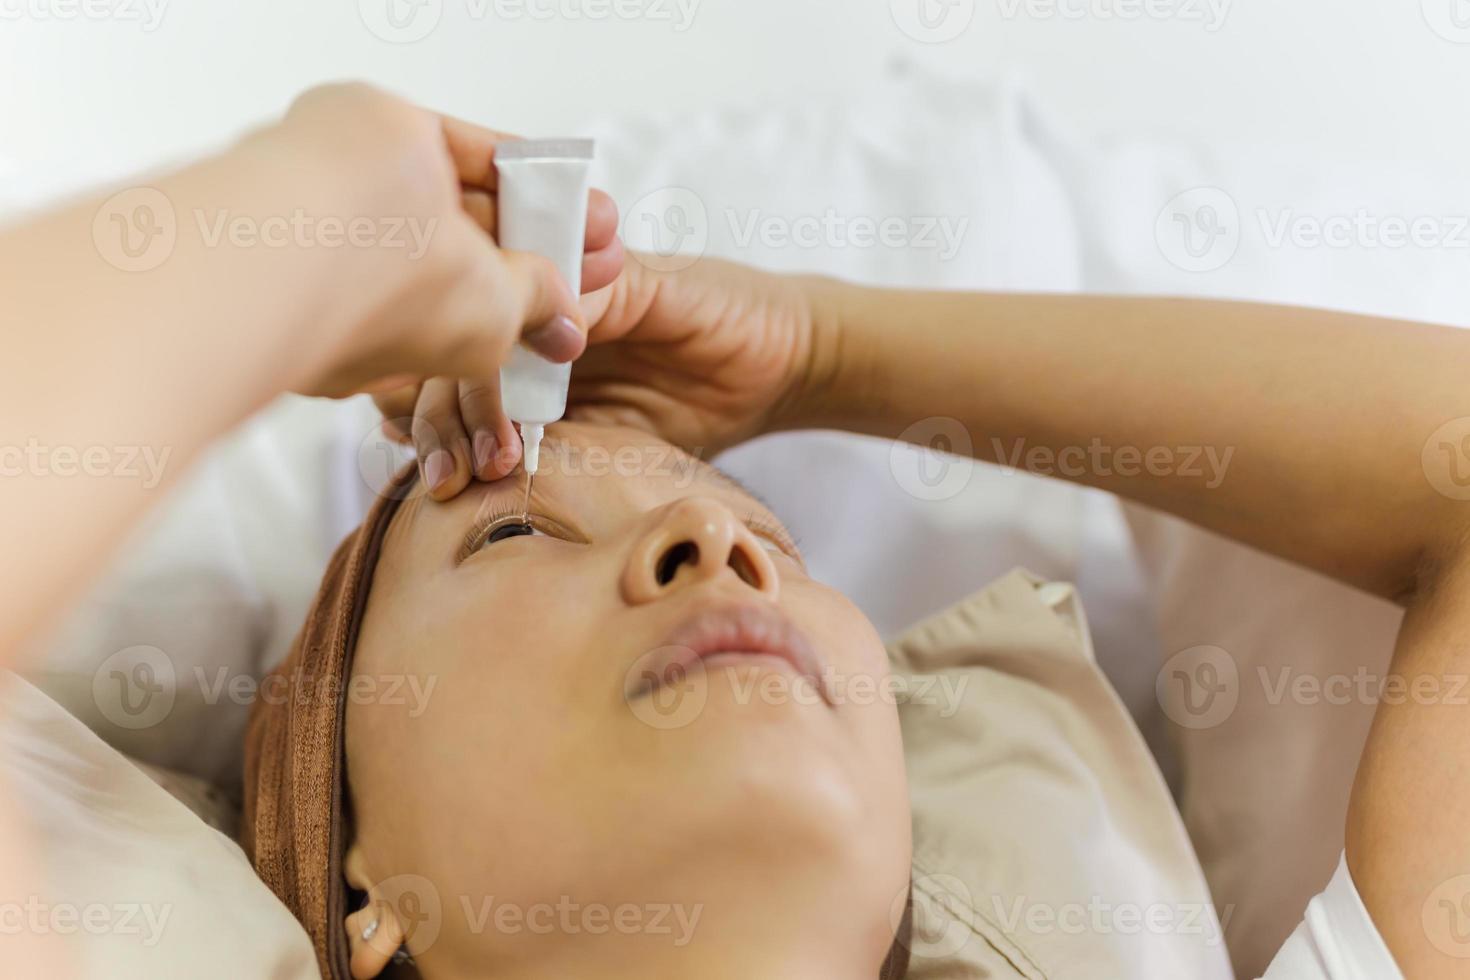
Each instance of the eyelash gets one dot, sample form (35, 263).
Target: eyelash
(480, 533)
(485, 526)
(774, 533)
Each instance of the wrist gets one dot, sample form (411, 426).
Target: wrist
(839, 362)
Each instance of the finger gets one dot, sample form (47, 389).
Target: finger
(396, 406)
(604, 252)
(479, 204)
(472, 148)
(619, 308)
(552, 315)
(440, 440)
(398, 430)
(602, 267)
(602, 221)
(495, 448)
(390, 383)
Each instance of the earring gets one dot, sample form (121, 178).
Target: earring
(400, 955)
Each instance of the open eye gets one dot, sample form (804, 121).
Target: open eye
(496, 528)
(515, 529)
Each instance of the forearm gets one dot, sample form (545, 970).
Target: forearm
(1300, 432)
(1406, 842)
(116, 379)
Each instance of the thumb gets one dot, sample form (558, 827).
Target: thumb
(554, 325)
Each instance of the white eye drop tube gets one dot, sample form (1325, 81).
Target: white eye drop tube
(542, 203)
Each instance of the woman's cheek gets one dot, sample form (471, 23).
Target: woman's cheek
(845, 638)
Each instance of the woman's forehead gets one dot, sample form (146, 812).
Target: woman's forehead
(576, 450)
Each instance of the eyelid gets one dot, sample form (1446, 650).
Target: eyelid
(775, 534)
(481, 530)
(488, 524)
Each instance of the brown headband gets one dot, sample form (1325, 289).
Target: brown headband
(295, 823)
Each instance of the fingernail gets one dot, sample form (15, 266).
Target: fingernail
(437, 468)
(558, 339)
(484, 450)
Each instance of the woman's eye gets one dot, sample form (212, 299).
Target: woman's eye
(513, 530)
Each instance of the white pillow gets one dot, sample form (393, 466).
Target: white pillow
(1224, 610)
(1268, 759)
(160, 658)
(135, 884)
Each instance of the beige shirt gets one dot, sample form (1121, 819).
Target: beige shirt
(1046, 843)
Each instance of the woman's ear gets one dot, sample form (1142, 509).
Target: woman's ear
(374, 932)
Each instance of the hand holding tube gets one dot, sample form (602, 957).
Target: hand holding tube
(322, 295)
(460, 305)
(461, 427)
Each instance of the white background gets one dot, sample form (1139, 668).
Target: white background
(96, 89)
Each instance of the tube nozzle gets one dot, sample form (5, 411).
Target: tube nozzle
(531, 439)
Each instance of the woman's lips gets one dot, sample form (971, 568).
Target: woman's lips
(721, 634)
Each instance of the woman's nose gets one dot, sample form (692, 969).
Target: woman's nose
(697, 540)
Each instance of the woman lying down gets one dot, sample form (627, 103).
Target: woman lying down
(587, 737)
(547, 764)
(643, 708)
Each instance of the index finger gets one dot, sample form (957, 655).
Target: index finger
(472, 148)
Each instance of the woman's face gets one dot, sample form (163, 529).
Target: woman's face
(641, 732)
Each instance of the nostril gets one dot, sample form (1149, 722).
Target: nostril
(685, 552)
(745, 568)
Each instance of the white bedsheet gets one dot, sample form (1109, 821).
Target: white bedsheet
(1336, 941)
